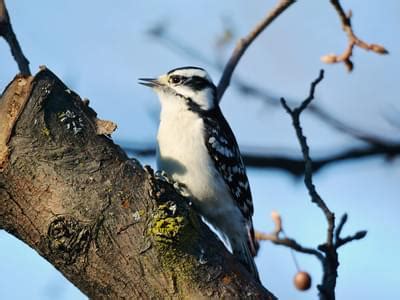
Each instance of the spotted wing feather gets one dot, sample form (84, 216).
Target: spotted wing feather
(224, 151)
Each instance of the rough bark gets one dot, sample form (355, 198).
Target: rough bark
(109, 225)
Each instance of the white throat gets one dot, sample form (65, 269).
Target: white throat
(204, 98)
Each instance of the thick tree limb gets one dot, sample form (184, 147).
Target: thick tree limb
(112, 228)
(6, 31)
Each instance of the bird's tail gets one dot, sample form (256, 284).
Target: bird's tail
(242, 250)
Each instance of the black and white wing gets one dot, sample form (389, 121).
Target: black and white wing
(224, 151)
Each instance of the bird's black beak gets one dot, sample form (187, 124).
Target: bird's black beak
(151, 82)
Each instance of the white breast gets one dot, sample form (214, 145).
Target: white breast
(183, 155)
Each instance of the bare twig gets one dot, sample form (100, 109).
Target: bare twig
(275, 238)
(357, 236)
(245, 42)
(6, 31)
(353, 40)
(327, 252)
(341, 241)
(315, 197)
(339, 228)
(290, 243)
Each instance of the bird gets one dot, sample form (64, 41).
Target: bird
(197, 148)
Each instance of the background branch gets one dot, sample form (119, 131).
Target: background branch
(261, 158)
(6, 31)
(315, 197)
(245, 42)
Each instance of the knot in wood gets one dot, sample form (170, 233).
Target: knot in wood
(68, 239)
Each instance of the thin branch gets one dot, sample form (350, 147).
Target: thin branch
(290, 243)
(6, 31)
(353, 40)
(245, 42)
(340, 226)
(315, 197)
(285, 241)
(357, 236)
(339, 242)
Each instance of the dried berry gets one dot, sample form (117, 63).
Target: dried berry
(302, 281)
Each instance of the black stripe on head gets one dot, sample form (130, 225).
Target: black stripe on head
(198, 83)
(183, 68)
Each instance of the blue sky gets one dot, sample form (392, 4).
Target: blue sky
(100, 50)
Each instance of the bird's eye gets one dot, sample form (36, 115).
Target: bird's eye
(175, 79)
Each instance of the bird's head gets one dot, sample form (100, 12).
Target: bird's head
(189, 85)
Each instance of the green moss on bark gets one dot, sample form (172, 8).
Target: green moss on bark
(173, 228)
(168, 224)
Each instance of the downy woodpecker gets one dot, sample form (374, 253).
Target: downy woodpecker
(198, 149)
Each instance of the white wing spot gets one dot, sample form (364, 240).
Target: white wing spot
(218, 148)
(229, 153)
(223, 140)
(243, 184)
(237, 192)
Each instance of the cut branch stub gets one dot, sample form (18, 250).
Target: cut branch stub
(11, 107)
(110, 226)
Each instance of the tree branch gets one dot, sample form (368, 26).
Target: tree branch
(327, 252)
(315, 197)
(353, 40)
(6, 31)
(357, 236)
(339, 228)
(275, 238)
(245, 42)
(342, 241)
(112, 227)
(327, 288)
